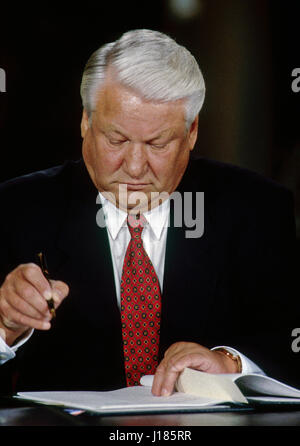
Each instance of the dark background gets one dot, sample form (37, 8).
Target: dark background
(246, 49)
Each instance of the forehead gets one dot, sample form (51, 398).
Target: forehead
(117, 105)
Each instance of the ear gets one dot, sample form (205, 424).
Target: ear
(84, 123)
(193, 133)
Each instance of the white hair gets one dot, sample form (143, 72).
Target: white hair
(152, 64)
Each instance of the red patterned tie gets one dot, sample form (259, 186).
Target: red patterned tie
(140, 307)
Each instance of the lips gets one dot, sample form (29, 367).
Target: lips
(136, 186)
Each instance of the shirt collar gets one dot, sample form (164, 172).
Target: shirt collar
(115, 218)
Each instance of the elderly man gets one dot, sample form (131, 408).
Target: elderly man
(137, 296)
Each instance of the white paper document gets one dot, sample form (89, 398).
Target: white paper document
(126, 400)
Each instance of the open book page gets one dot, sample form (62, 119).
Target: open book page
(129, 399)
(207, 385)
(265, 385)
(232, 386)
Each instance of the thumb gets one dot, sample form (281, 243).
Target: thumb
(60, 290)
(3, 334)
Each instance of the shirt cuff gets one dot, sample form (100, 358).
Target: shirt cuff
(248, 366)
(6, 352)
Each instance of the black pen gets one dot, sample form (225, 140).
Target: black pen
(44, 268)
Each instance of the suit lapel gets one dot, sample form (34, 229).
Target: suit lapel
(189, 277)
(82, 251)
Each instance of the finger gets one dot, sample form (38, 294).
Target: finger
(169, 371)
(28, 306)
(33, 274)
(15, 319)
(159, 377)
(167, 374)
(158, 387)
(29, 294)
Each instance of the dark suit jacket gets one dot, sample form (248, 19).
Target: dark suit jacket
(230, 287)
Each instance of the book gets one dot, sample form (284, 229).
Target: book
(195, 391)
(237, 388)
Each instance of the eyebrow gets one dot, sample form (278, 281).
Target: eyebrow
(114, 130)
(165, 137)
(162, 134)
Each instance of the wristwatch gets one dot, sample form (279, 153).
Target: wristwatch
(235, 358)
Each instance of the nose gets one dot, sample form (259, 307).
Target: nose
(135, 160)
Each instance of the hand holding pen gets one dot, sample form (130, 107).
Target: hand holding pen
(27, 298)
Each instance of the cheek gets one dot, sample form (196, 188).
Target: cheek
(108, 162)
(168, 168)
(100, 160)
(88, 153)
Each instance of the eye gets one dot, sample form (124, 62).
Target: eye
(158, 146)
(116, 142)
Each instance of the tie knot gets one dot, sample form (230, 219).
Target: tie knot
(136, 224)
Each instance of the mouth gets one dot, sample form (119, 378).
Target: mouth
(136, 186)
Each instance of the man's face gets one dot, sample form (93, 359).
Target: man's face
(136, 144)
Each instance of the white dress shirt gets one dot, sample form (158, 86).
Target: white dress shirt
(154, 238)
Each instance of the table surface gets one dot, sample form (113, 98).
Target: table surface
(15, 413)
